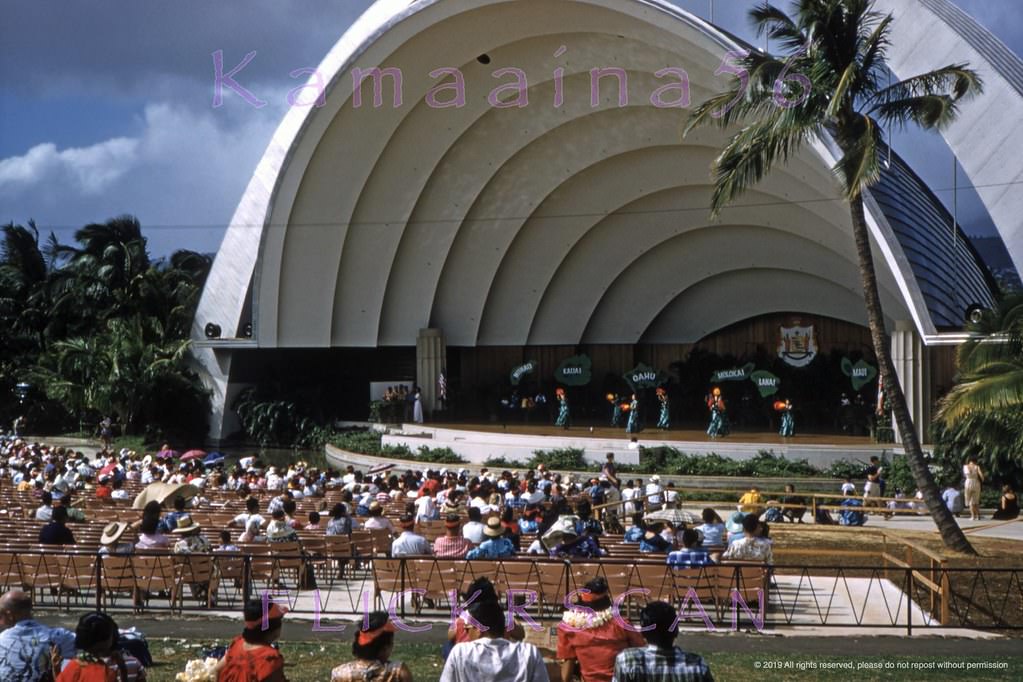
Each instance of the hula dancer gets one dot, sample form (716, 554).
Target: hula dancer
(788, 423)
(616, 409)
(664, 420)
(563, 416)
(716, 404)
(632, 426)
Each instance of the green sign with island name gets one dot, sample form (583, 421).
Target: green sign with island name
(574, 371)
(521, 371)
(861, 374)
(734, 374)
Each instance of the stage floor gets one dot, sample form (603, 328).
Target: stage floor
(680, 435)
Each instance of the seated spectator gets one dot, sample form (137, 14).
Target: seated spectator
(850, 516)
(590, 637)
(473, 529)
(451, 545)
(653, 542)
(252, 533)
(660, 659)
(734, 526)
(74, 514)
(713, 529)
(479, 591)
(511, 528)
(340, 522)
(496, 546)
(192, 540)
(149, 535)
(25, 645)
(103, 490)
(693, 554)
(793, 514)
(372, 649)
(578, 546)
(1008, 505)
(635, 532)
(279, 530)
(118, 492)
(110, 541)
(953, 499)
(252, 656)
(99, 655)
(251, 513)
(170, 522)
(45, 510)
(56, 531)
(750, 501)
(314, 521)
(410, 543)
(491, 657)
(377, 520)
(529, 522)
(225, 543)
(752, 546)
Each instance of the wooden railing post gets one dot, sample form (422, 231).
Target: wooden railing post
(946, 592)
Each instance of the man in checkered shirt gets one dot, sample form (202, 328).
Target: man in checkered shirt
(660, 660)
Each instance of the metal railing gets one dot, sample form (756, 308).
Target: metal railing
(896, 595)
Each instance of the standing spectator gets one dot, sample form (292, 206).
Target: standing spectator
(611, 471)
(671, 496)
(491, 657)
(590, 637)
(750, 501)
(372, 649)
(452, 545)
(973, 477)
(409, 543)
(252, 656)
(653, 493)
(872, 487)
(660, 660)
(25, 645)
(953, 500)
(56, 531)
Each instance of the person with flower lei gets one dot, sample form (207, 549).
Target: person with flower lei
(664, 420)
(716, 404)
(563, 414)
(98, 658)
(592, 633)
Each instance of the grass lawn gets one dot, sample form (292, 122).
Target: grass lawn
(312, 662)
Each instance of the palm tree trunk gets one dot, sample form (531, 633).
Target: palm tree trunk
(951, 533)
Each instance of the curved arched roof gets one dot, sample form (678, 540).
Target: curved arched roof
(535, 225)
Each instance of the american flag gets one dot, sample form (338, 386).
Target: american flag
(880, 396)
(442, 387)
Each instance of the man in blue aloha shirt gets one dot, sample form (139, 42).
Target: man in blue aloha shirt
(26, 647)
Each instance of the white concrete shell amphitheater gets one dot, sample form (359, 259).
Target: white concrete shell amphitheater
(554, 223)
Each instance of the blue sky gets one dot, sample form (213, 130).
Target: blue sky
(105, 108)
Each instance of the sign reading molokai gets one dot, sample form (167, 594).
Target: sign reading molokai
(644, 376)
(734, 374)
(521, 371)
(861, 374)
(574, 371)
(767, 383)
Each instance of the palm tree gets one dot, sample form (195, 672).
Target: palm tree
(837, 50)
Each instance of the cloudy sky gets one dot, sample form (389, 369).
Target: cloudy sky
(105, 108)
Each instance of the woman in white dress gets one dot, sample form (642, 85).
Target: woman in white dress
(417, 408)
(972, 478)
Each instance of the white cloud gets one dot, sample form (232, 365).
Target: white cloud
(182, 175)
(89, 170)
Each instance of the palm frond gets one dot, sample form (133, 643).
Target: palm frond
(860, 165)
(957, 81)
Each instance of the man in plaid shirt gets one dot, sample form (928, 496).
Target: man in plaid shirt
(452, 545)
(660, 660)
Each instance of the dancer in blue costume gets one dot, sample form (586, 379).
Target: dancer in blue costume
(563, 415)
(664, 420)
(616, 409)
(718, 426)
(632, 426)
(788, 423)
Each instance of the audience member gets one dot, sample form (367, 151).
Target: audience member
(26, 645)
(496, 546)
(590, 636)
(252, 655)
(452, 545)
(1008, 505)
(410, 543)
(56, 531)
(491, 657)
(660, 660)
(751, 546)
(371, 650)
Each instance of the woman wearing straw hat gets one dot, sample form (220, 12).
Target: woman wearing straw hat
(110, 541)
(372, 649)
(496, 545)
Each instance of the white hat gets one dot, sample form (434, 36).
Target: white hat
(147, 460)
(655, 478)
